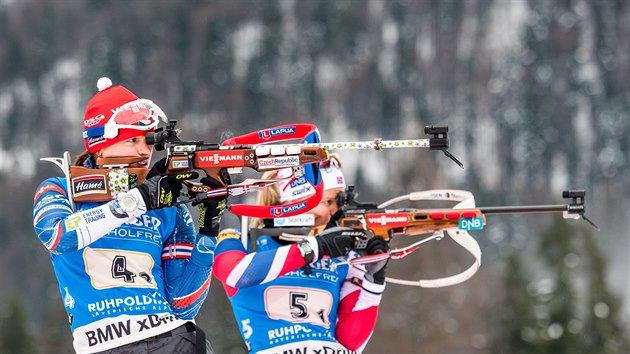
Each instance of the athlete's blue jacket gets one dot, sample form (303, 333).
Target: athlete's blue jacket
(122, 279)
(281, 309)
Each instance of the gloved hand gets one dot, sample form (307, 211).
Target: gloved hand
(337, 241)
(211, 209)
(158, 168)
(375, 272)
(162, 190)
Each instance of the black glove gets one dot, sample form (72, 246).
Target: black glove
(161, 191)
(375, 272)
(336, 241)
(158, 168)
(210, 209)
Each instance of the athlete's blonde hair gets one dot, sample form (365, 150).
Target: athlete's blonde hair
(268, 196)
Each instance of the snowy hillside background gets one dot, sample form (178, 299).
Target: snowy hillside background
(536, 95)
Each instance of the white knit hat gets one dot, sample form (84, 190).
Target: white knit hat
(332, 175)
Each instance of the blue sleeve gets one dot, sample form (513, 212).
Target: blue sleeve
(187, 260)
(50, 210)
(63, 230)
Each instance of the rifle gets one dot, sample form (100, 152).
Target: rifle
(114, 175)
(250, 150)
(378, 220)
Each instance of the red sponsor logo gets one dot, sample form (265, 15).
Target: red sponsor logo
(46, 188)
(276, 211)
(220, 159)
(384, 219)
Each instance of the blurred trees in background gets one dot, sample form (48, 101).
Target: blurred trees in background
(572, 309)
(15, 334)
(534, 92)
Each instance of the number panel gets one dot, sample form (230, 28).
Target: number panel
(298, 305)
(114, 268)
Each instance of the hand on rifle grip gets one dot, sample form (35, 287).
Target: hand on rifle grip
(335, 242)
(375, 272)
(210, 209)
(162, 190)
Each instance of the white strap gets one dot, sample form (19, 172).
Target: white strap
(461, 237)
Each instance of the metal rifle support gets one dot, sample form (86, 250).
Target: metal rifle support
(64, 164)
(576, 206)
(439, 141)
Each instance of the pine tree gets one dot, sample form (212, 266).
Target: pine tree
(551, 315)
(604, 330)
(54, 323)
(558, 248)
(515, 333)
(15, 336)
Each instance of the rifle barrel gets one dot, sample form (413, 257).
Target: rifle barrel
(524, 209)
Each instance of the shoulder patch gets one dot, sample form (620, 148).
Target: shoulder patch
(47, 188)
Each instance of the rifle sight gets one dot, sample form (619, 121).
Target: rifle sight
(347, 200)
(573, 193)
(162, 136)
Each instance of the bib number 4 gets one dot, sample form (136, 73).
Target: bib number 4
(117, 268)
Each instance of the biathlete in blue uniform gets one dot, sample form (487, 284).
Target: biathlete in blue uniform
(280, 305)
(132, 271)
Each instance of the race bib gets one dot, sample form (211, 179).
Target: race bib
(113, 268)
(298, 305)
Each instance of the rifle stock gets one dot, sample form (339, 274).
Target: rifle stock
(383, 222)
(116, 174)
(259, 159)
(407, 222)
(455, 223)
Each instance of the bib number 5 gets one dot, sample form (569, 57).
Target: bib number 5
(298, 305)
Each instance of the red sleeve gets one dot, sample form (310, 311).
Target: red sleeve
(237, 269)
(357, 313)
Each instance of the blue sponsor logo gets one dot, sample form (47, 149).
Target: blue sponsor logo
(267, 134)
(470, 224)
(279, 211)
(298, 182)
